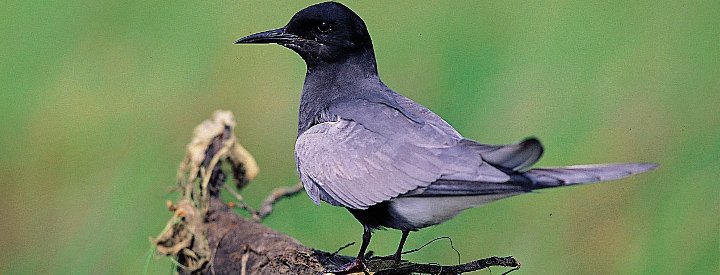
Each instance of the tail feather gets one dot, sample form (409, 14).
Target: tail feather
(537, 178)
(577, 174)
(515, 157)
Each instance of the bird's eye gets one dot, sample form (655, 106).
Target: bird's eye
(325, 27)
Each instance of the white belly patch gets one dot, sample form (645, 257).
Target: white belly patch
(426, 211)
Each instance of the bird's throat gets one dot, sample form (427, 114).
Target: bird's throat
(329, 82)
(353, 66)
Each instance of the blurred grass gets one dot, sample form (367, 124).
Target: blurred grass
(99, 99)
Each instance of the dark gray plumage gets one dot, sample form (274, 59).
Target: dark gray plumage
(390, 161)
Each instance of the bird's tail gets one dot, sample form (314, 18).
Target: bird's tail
(579, 174)
(538, 178)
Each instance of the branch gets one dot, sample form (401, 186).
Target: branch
(205, 235)
(410, 268)
(276, 195)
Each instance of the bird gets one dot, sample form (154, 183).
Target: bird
(391, 162)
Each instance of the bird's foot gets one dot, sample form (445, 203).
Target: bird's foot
(356, 265)
(396, 257)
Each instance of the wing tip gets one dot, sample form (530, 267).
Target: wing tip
(646, 166)
(633, 167)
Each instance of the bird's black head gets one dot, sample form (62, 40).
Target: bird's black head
(323, 33)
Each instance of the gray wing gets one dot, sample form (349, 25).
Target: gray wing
(370, 156)
(356, 168)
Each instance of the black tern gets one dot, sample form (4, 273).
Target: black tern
(390, 161)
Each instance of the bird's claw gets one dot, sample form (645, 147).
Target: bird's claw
(356, 265)
(396, 257)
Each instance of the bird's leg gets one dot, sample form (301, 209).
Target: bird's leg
(398, 253)
(359, 263)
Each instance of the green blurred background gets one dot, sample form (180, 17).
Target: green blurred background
(98, 100)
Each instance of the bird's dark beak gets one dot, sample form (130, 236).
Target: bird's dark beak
(272, 36)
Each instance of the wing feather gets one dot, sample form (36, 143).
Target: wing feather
(358, 160)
